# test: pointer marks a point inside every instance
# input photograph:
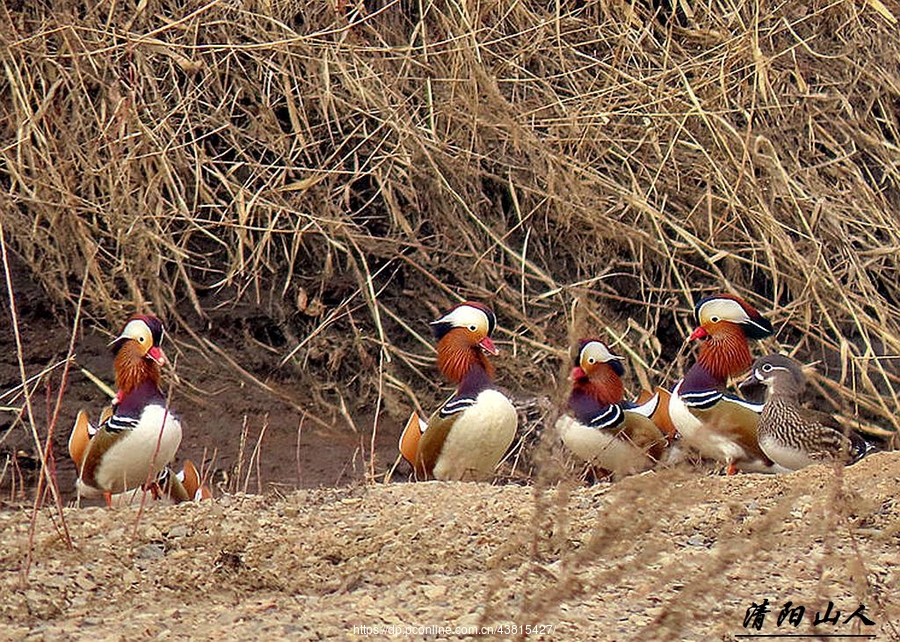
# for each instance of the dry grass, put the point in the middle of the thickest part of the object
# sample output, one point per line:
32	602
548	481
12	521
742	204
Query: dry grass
351	175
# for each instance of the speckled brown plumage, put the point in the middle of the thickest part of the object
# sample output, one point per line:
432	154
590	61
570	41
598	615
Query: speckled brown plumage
791	435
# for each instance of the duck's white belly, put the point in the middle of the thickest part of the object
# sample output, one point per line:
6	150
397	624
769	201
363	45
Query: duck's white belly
784	456
134	459
602	447
478	439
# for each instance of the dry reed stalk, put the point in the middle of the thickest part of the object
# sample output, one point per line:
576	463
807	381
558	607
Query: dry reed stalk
297	453
254	462
34	381
239	468
42	449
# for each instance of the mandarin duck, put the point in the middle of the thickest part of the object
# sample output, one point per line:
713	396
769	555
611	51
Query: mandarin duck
139	435
185	486
718	425
660	414
790	435
170	487
471	432
602	428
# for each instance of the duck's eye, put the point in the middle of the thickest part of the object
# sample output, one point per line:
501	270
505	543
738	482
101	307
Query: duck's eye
472	328
592	360
714	319
141	339
766	367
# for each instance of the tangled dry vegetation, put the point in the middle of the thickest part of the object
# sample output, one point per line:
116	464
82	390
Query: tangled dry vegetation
350	169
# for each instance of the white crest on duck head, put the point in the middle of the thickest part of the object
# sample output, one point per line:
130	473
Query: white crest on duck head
594	351
726	307
148	332
475	317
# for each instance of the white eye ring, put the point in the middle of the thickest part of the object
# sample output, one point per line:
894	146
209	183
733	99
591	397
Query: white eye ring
592	360
713	319
766	367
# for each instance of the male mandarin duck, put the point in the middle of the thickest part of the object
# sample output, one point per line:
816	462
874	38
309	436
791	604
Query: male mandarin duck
169	486
718	425
603	429
185	486
136	440
660	414
790	435
469	435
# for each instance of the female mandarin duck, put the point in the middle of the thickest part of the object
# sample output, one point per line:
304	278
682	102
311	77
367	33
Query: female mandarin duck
140	435
603	429
790	435
721	426
468	436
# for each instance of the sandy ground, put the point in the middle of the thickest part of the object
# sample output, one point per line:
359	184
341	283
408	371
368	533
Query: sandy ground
667	555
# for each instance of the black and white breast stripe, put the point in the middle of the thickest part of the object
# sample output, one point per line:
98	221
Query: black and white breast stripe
702	399
118	423
706	399
609	418
457	404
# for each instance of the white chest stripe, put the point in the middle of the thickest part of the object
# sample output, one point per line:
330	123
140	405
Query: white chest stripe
609	418
701	400
118	423
455	405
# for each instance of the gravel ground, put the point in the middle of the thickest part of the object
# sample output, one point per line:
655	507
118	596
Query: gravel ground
668	555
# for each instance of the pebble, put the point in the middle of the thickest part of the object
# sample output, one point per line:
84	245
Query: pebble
468	620
150	552
85	583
